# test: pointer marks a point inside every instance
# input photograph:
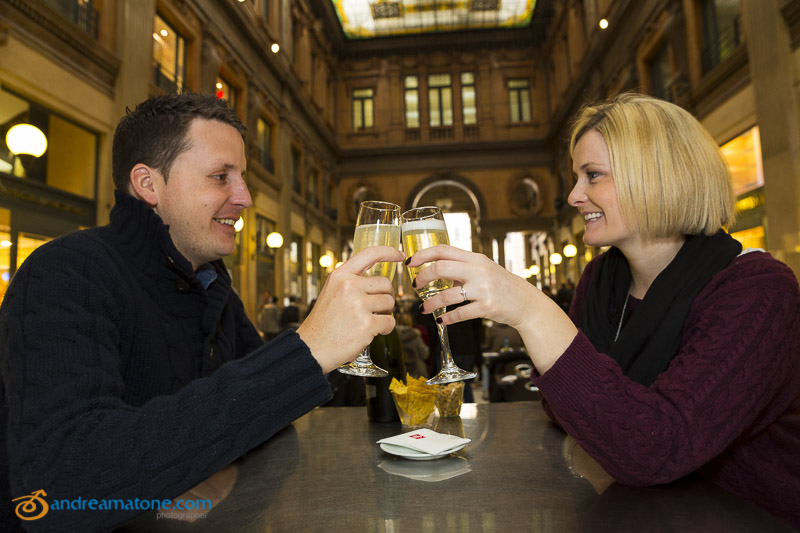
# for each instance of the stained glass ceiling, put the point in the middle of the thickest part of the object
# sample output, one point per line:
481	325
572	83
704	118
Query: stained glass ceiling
363	19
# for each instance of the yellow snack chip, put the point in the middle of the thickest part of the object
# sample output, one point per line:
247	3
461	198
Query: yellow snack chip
414	400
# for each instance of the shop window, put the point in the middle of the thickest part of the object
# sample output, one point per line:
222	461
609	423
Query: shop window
296	265
743	155
26	244
314	271
169	57
440	100
265	256
363	109
411	84
519	100
469	107
751	237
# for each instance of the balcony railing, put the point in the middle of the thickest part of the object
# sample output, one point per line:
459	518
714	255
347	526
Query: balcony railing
722	45
442	133
413	134
81	12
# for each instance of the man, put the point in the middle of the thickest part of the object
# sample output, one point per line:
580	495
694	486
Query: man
130	370
269	319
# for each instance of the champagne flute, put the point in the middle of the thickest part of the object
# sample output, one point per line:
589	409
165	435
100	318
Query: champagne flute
424	227
378	224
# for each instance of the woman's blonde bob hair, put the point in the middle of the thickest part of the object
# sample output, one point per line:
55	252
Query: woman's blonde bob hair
670	176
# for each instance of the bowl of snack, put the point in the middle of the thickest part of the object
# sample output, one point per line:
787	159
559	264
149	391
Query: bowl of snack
449	398
414	400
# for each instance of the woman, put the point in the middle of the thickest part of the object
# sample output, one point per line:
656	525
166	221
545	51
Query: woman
680	352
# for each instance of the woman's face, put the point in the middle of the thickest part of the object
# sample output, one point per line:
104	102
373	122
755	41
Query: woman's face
595	195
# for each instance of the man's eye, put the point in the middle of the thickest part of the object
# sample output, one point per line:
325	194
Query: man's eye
220	177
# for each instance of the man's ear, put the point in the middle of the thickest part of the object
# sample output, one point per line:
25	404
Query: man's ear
142	184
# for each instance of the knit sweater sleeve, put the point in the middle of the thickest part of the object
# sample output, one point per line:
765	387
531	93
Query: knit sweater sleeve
730	379
70	432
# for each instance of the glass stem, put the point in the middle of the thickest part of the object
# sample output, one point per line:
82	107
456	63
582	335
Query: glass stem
447	357
363	358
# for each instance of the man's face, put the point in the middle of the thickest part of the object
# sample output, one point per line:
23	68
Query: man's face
205	192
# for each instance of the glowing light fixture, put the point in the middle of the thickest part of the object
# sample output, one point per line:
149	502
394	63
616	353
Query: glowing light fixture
164	33
555	258
603	24
275	48
274	240
325	261
26	139
570	250
219	85
534	270
338	264
5	244
239	224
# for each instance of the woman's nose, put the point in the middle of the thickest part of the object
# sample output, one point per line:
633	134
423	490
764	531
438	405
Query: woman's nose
576	196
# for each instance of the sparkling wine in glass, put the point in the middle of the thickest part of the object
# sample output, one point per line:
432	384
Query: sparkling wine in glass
424	227
378	224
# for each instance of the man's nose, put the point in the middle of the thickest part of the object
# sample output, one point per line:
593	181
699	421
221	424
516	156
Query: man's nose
241	194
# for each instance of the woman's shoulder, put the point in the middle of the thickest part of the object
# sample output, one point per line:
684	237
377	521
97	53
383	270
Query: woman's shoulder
752	273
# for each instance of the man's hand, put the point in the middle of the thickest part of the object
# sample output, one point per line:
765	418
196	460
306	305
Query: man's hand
351	309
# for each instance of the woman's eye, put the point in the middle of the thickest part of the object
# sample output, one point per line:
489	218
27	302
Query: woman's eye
592	175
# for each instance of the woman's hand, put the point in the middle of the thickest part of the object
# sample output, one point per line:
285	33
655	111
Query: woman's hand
351	309
496	294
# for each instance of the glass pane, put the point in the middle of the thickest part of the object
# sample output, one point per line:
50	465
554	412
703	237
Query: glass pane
223	89
263	136
411	82
447	106
468	102
412	108
467	78
71	158
438	80
362	93
517	84
513	105
525	103
26	244
168	56
368	115
358	120
433	102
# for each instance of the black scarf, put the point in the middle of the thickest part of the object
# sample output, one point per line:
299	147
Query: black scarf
651	338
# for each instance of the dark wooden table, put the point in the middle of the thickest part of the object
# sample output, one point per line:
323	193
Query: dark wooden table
519	473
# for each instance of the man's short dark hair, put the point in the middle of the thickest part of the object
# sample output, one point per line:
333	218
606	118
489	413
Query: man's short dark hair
155	132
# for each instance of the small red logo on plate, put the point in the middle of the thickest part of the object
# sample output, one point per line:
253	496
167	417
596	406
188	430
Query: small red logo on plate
416	436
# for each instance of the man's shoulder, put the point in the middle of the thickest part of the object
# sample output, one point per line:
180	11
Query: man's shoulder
73	250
